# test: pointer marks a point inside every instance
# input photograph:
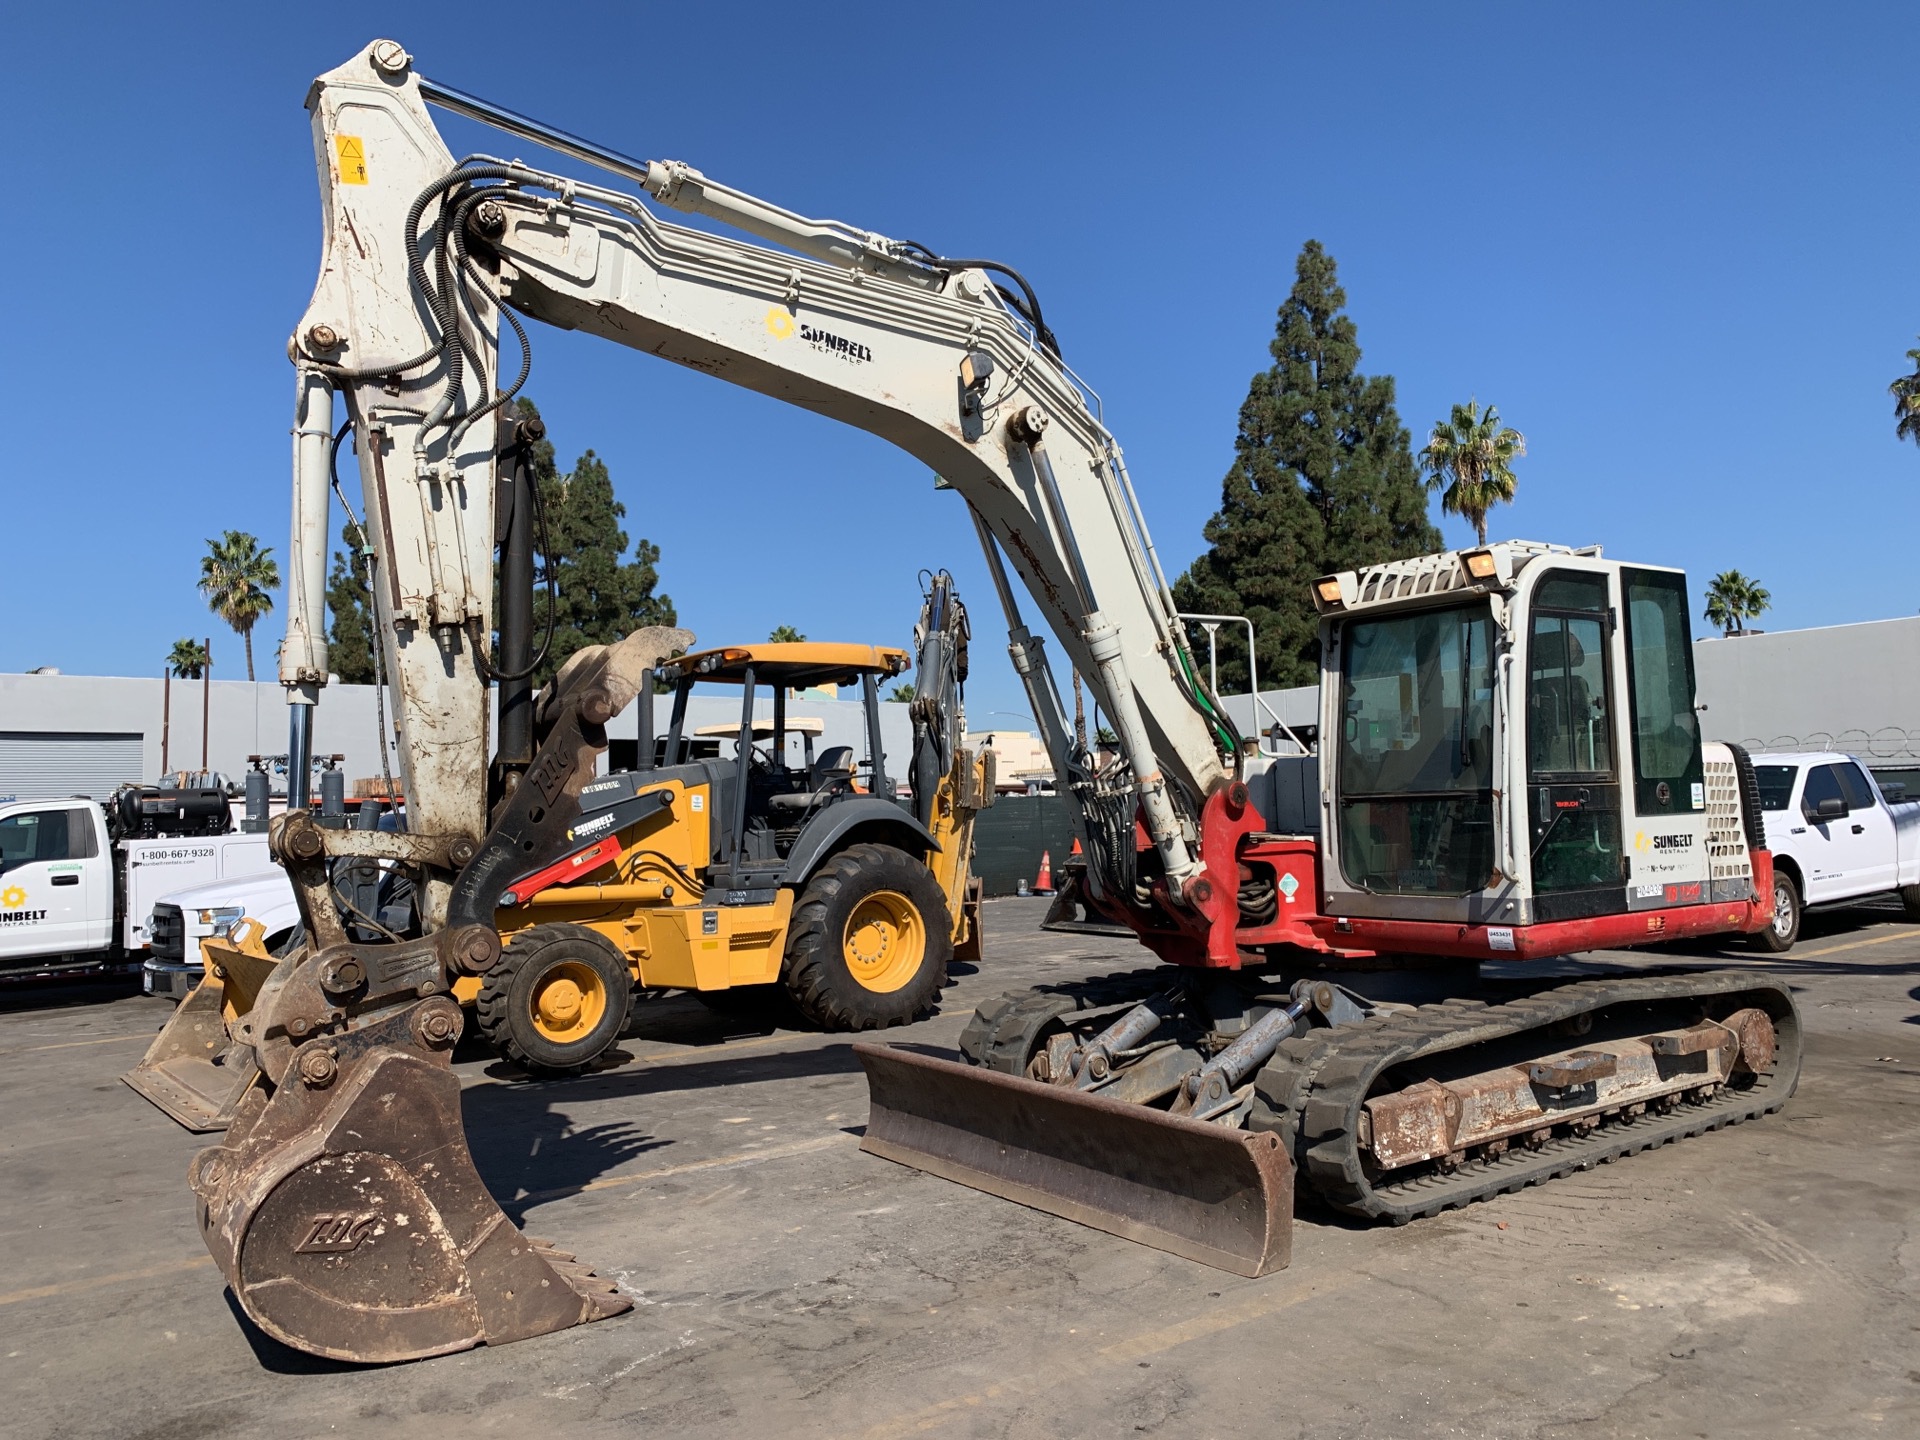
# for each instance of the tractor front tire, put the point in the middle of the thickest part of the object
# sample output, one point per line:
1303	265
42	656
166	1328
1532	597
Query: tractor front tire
869	941
555	999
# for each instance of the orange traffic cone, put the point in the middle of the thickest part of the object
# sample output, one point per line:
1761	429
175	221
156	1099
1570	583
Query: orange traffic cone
1076	849
1043	882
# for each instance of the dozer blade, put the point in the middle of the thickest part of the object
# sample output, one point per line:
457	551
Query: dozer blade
1221	1197
351	1223
189	1071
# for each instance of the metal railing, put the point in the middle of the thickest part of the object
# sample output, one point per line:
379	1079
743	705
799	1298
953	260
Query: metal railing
1211	624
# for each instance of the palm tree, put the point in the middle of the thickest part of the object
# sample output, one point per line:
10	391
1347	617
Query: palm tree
236	576
1733	599
1473	454
785	635
187	659
1906	402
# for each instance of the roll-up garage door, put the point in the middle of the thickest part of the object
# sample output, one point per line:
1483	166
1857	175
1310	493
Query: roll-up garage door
51	765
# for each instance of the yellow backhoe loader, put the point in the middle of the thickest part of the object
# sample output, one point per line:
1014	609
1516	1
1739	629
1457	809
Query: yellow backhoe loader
835	891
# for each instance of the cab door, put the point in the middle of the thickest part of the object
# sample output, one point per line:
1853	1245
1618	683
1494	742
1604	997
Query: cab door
1573	776
52	881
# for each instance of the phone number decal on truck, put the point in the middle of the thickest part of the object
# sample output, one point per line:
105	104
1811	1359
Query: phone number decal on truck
177	855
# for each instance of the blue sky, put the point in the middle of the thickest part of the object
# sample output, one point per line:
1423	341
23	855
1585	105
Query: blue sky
1674	244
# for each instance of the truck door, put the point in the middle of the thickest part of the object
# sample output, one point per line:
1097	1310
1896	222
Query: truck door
52	880
1852	852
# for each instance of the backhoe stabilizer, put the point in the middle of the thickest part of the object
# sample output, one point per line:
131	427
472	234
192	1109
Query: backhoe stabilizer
190	1072
1216	1195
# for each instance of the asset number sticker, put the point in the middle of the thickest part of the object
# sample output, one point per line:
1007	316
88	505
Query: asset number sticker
1500	937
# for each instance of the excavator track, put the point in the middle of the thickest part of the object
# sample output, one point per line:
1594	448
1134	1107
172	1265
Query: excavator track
1315	1085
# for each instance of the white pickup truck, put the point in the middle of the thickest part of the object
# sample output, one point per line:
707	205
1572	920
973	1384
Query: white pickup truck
185	918
78	893
1836	836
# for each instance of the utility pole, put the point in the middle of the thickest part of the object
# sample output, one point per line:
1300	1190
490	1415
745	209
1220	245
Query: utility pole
206	707
166	715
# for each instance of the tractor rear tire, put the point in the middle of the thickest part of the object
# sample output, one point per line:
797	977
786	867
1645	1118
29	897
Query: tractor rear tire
869	942
556	999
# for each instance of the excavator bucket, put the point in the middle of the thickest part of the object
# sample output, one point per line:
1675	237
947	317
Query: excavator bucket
192	1071
350	1222
343	1205
1221	1197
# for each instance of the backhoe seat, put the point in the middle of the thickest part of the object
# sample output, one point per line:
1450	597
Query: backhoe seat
831	774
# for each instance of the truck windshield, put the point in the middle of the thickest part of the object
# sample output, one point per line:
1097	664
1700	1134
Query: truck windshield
1415	766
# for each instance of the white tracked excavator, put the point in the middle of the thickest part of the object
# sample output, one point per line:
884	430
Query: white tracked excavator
1509	769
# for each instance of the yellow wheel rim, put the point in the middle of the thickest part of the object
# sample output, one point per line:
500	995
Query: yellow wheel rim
885	941
568	1001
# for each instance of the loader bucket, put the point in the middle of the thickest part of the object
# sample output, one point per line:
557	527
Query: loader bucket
190	1071
1221	1197
350	1222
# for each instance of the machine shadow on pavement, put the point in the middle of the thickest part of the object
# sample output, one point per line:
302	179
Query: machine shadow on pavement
21	996
529	1150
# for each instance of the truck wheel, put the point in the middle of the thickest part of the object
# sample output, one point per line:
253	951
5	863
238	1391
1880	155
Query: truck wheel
555	999
1778	937
869	942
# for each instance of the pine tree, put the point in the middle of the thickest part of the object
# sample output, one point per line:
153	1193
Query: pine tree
603	595
350	634
1323	479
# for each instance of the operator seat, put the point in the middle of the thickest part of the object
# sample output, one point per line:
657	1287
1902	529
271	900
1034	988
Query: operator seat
831	774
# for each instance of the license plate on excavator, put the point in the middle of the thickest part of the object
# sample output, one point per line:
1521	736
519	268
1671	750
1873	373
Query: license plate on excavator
1219	1196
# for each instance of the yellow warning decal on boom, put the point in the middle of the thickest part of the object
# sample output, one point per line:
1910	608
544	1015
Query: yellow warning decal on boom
353	159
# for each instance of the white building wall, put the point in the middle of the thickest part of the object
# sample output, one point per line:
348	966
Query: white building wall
1854	688
247	718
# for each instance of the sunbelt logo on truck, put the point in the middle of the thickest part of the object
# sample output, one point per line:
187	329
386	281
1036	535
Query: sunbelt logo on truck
12	912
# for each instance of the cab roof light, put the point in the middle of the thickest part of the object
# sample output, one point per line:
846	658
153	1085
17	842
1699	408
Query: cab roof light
1480	565
1335	592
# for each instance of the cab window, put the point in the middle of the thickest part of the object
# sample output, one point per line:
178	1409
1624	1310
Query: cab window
33	835
1667	771
1569	727
1823	783
1854	786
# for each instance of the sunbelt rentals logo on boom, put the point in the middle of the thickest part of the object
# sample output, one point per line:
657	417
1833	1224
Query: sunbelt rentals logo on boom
781	325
